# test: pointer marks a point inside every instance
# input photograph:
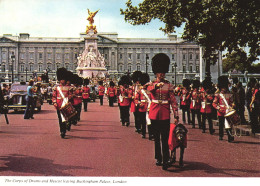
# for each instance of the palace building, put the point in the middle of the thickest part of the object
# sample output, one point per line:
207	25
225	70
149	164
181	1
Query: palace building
22	55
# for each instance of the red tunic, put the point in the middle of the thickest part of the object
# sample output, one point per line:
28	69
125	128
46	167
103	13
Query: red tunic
77	96
56	97
206	102
126	94
134	88
161	99
111	91
172	141
195	100
219	104
85	92
184	96
141	101
101	90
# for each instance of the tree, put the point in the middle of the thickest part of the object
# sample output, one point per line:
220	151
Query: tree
236	61
214	24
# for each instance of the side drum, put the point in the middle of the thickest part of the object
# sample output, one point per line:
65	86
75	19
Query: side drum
68	111
233	118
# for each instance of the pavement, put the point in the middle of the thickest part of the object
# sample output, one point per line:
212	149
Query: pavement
100	146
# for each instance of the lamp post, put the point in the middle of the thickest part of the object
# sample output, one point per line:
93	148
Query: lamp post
146	59
26	70
12	60
175	66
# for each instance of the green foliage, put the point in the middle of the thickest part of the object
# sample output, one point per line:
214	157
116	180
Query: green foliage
214	24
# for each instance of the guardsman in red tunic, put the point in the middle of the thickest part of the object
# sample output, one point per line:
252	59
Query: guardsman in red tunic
162	97
85	94
195	103
111	93
206	98
185	100
136	77
77	97
141	100
219	103
57	98
125	95
101	91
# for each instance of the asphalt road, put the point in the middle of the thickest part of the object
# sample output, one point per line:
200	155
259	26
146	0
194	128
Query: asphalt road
100	146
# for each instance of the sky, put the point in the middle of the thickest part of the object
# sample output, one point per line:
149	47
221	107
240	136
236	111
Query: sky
67	18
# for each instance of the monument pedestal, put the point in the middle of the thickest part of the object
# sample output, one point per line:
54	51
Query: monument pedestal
92	72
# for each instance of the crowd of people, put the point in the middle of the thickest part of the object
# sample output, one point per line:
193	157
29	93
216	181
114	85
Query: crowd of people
153	102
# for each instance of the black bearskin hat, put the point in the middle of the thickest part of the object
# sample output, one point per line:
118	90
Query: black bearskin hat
120	82
195	83
70	76
186	83
74	79
144	78
111	84
160	63
62	74
223	82
125	80
100	82
80	81
136	76
206	84
86	81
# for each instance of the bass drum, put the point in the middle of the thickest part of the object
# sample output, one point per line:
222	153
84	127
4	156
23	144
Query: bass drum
233	118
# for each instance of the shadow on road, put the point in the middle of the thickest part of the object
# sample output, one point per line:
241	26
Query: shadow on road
199	166
89	138
27	164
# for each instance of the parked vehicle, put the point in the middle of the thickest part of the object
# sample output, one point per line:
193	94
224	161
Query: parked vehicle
16	100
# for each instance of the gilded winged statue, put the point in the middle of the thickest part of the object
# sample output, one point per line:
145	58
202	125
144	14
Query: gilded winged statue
91	16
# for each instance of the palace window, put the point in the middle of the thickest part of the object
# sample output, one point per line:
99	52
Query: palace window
190	69
49	55
31	55
197	56
129	56
173	57
138	68
40	55
120	56
22	55
184	68
40	68
190	56
138	56
120	68
3	68
31	68
184	56
22	68
197	68
4	55
129	68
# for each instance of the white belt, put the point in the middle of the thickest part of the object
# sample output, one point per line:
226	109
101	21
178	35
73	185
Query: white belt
160	101
143	101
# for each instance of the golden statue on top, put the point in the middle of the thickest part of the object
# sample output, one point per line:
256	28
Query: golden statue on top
90	18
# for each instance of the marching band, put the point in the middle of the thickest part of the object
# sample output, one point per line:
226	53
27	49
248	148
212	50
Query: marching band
153	102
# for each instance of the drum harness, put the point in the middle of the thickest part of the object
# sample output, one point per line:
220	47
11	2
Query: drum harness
227	125
65	100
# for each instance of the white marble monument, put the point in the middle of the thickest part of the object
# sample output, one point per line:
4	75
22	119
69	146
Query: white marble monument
91	64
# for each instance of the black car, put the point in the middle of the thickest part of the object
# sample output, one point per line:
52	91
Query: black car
16	100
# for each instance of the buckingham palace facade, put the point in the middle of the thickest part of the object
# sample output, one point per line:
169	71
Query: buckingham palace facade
22	55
